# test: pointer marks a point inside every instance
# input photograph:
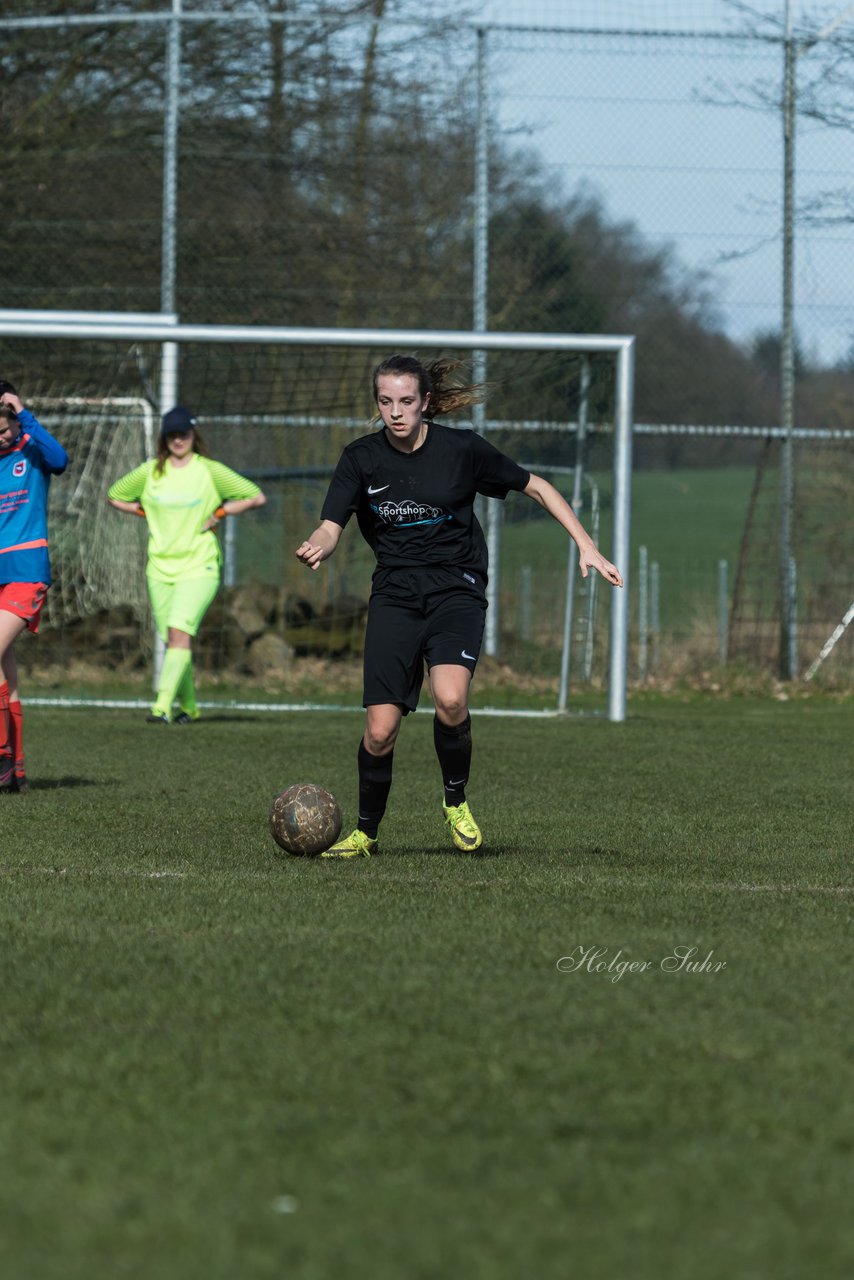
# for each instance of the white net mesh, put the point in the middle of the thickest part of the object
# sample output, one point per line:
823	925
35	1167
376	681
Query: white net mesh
281	415
94	556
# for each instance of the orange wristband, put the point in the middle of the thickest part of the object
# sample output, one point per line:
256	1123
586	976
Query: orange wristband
220	513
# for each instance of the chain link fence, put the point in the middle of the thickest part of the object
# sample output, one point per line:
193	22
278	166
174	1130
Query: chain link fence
319	168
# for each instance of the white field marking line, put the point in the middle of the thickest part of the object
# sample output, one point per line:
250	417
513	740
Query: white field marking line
622	882
711	886
783	888
139	704
93	871
639	882
397	873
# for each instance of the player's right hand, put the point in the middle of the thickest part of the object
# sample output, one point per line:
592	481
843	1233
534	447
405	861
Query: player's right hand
310	554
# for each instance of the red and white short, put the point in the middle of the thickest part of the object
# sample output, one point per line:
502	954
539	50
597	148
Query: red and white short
25	599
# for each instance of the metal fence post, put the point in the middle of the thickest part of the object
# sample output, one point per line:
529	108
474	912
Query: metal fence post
577	485
643	611
723	609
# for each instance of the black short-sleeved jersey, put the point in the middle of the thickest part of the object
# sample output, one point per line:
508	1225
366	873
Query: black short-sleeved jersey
418	508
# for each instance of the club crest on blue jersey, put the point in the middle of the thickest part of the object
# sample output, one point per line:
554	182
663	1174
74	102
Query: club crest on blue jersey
20	468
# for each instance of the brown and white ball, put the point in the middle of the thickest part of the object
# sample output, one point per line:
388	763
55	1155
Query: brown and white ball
305	820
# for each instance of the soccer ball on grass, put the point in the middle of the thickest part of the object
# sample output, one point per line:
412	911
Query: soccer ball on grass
305	820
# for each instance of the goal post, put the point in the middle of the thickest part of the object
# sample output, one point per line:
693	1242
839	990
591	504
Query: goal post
174	342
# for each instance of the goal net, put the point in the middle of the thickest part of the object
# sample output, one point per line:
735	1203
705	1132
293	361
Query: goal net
279	406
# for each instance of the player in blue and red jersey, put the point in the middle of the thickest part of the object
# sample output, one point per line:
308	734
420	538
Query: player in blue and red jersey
29	456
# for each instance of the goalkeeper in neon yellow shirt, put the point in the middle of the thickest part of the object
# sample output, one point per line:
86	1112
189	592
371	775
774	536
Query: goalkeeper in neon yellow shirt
183	494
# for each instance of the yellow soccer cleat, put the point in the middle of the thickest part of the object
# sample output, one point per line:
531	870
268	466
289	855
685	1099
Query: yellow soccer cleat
464	830
357	845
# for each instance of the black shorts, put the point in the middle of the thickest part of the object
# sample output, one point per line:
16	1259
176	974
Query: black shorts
415	616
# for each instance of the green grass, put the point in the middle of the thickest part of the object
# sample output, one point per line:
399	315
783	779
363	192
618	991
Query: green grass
221	1063
693	515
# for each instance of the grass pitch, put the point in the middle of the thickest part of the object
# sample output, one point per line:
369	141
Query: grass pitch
221	1063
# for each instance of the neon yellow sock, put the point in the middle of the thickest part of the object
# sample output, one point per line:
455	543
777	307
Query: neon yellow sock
186	691
175	663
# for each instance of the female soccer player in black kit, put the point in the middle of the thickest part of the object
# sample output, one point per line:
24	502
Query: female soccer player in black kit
412	488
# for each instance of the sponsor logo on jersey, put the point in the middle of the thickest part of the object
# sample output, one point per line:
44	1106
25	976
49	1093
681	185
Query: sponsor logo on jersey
405	513
20	468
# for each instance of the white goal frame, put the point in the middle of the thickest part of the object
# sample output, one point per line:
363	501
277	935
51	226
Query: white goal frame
82	326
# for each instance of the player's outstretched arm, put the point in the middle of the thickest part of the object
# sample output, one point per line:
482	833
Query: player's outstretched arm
320	545
589	555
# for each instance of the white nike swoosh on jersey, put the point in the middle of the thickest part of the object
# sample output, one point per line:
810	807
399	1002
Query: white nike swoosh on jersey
470	656
378	489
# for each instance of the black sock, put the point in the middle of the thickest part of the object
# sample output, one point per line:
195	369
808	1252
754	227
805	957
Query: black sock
453	747
374	786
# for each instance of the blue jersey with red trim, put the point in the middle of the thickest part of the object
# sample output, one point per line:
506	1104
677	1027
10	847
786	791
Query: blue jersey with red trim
25	471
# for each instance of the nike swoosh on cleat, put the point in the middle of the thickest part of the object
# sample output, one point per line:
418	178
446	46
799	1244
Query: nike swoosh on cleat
378	489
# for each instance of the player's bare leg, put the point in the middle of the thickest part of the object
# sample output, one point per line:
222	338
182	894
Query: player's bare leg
382	725
12	776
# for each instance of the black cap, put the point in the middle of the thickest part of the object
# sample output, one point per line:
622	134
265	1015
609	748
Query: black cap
177	419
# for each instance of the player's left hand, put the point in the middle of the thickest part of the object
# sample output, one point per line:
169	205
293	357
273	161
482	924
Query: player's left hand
594	559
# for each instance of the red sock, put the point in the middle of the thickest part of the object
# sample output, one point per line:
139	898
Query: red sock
16	735
5	726
5	736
